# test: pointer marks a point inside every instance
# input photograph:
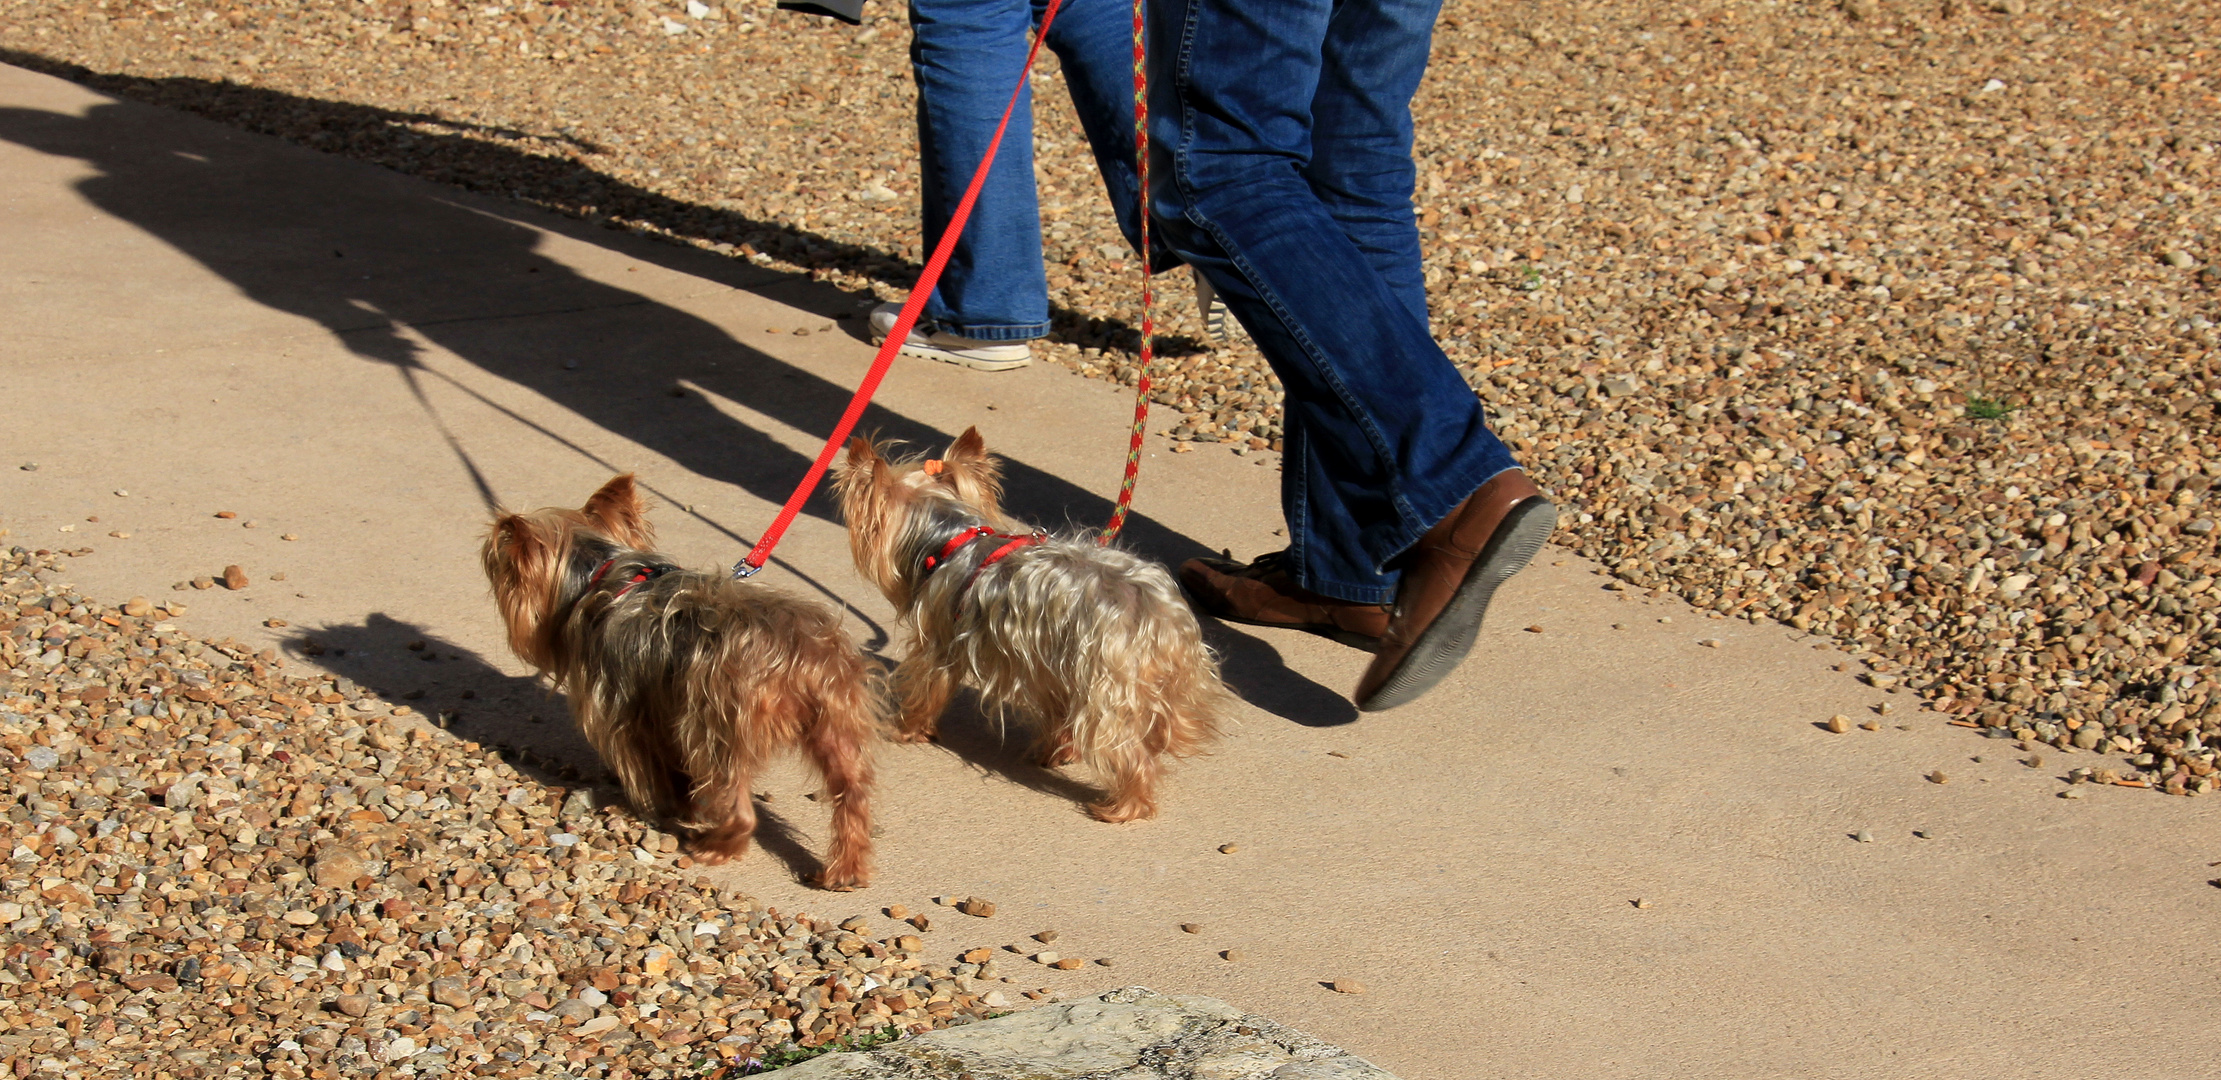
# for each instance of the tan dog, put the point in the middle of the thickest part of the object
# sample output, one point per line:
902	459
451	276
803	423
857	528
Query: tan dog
1093	643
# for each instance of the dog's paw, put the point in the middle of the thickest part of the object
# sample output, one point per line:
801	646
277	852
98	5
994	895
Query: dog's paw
842	881
718	848
1118	813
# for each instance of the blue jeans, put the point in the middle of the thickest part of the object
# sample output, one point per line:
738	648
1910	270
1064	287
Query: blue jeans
1280	167
967	55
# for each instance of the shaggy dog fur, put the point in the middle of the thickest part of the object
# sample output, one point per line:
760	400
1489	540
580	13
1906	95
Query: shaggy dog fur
1093	643
685	681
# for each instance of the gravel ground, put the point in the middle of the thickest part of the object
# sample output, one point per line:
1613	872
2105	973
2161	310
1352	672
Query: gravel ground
221	869
1890	319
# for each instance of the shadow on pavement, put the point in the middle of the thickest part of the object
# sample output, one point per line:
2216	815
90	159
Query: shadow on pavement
390	272
995	748
513	715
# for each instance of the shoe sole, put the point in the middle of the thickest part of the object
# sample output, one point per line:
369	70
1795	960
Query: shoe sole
926	352
1215	316
1445	643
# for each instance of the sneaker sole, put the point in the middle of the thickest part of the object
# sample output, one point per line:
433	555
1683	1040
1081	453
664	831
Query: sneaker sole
1214	320
927	352
1446	642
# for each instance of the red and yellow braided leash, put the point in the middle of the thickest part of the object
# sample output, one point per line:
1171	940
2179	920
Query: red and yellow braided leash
1148	299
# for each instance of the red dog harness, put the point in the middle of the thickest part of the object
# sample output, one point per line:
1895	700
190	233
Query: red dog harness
957	543
644	574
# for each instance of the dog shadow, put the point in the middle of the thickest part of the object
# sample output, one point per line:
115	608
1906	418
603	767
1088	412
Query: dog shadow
516	716
1004	750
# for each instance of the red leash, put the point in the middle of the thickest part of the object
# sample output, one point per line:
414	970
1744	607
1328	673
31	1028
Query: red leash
892	347
911	308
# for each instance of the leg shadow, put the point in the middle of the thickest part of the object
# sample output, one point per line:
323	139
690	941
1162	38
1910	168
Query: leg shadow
394	272
1254	669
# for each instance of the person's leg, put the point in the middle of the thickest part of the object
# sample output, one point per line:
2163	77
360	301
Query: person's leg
1389	438
1094	43
1361	165
1394	486
966	55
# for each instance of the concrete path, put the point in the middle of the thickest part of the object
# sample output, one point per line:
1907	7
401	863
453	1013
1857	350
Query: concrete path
195	320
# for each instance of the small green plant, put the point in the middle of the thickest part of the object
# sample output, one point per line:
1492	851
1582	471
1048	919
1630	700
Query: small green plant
792	1054
1981	408
1530	277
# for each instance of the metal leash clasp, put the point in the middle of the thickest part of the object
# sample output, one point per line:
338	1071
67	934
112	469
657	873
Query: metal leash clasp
743	570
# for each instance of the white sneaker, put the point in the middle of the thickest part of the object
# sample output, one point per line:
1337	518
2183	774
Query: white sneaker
928	343
1218	323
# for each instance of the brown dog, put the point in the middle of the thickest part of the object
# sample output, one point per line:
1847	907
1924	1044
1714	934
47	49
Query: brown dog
686	682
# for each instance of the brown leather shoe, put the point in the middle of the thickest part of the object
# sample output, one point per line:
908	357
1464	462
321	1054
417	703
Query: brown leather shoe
1264	593
1448	579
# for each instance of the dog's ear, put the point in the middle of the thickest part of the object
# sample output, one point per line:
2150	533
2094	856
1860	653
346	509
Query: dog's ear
862	469
860	453
621	513
519	563
975	475
504	541
968	447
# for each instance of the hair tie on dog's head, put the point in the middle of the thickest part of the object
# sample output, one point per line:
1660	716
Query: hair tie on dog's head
933	466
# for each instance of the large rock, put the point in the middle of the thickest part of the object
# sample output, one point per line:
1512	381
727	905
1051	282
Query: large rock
1133	1034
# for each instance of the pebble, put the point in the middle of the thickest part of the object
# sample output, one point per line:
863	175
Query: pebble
1046	936
1939	777
1642	904
1346	986
897	911
1710	643
1228	849
234	577
1231	954
976	907
224	888
1870	725
1191	928
1839	723
1865	836
2070	793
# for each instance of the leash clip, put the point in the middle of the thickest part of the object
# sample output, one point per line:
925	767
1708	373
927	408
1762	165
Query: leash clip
743	570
